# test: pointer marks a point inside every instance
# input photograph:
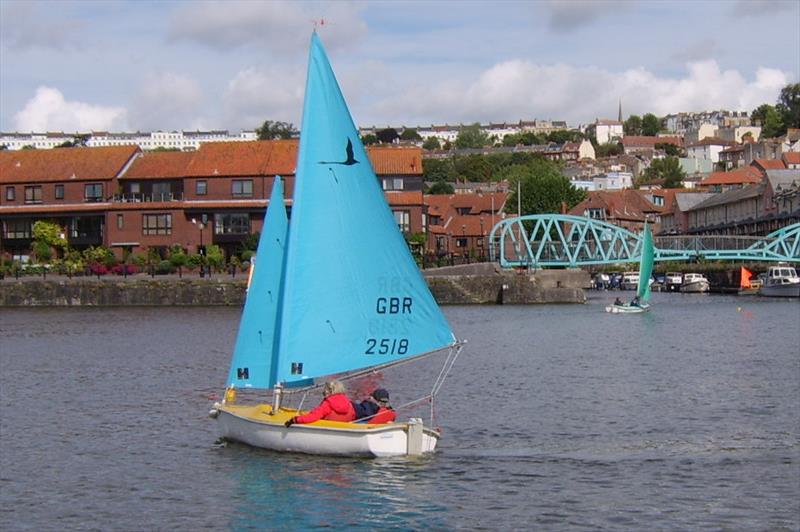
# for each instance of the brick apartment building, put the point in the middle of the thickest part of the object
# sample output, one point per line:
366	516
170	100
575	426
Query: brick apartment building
132	201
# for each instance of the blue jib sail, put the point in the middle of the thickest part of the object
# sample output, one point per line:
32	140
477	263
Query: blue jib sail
353	295
255	343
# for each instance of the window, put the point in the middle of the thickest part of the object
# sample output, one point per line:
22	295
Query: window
242	188
17	229
162	192
231	224
461	242
658	200
59	191
393	183
156	224
597	214
93	192
120	221
201	187
403	220
33	194
11	194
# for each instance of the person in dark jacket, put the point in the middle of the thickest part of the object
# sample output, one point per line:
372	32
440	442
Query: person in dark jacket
375	408
335	406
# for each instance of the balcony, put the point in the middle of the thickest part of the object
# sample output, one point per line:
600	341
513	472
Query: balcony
148	198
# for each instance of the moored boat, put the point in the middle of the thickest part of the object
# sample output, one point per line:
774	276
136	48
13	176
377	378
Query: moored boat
694	283
630	280
781	281
673	281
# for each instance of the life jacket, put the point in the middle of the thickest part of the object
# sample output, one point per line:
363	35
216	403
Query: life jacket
336	407
384	415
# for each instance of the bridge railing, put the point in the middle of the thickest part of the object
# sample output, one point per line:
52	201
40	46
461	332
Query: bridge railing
563	240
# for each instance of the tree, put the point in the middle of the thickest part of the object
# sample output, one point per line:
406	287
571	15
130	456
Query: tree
473	168
432	143
438	170
789	106
609	149
542	186
651	125
670	149
441	187
368	140
178	258
411	135
563	135
46	236
770	120
633	125
387	136
270	130
471	137
668	169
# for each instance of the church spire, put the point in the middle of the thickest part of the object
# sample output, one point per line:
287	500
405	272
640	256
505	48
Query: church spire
620	110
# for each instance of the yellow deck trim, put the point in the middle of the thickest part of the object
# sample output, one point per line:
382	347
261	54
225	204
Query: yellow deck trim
262	413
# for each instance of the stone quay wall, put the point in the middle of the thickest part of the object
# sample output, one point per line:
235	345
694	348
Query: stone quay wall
472	284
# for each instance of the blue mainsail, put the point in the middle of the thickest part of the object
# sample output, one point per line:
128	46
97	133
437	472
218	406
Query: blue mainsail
256	340
353	297
645	265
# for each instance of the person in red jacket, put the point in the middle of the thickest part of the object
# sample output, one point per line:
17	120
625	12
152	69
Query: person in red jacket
335	406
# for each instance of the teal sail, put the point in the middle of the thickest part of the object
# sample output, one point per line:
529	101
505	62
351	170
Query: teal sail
353	295
645	266
256	340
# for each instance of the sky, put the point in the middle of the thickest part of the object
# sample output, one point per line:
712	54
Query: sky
118	65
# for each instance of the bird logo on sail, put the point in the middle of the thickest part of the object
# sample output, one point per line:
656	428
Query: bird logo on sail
349	161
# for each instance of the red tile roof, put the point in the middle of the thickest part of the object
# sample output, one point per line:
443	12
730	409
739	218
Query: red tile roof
395	160
769	164
625	204
158	165
62	164
404	198
258	158
639	141
791	157
740	176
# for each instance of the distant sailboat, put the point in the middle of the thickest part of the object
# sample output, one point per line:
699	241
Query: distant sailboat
323	303
639	304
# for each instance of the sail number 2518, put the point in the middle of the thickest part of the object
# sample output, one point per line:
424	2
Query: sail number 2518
387	346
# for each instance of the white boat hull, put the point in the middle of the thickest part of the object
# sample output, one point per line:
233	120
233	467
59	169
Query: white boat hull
695	288
254	426
780	290
627	309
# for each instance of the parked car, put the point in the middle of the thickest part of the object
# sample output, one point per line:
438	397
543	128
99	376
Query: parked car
602	281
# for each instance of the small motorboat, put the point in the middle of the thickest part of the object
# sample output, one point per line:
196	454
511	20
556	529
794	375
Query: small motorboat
781	281
694	283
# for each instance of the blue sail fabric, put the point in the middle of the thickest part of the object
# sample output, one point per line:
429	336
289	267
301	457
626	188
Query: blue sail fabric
255	343
354	297
645	265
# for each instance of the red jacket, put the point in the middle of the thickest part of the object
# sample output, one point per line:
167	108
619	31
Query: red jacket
335	407
384	415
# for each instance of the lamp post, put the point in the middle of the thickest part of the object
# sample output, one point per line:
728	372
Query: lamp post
201	249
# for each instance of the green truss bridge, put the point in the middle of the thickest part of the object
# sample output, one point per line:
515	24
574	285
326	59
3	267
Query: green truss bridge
555	240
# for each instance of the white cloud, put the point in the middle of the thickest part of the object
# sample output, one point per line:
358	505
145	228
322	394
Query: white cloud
253	96
167	101
48	110
36	25
515	90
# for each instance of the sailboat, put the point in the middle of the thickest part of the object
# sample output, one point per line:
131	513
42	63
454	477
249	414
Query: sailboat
639	304
335	293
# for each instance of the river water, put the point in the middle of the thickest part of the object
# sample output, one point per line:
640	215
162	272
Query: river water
555	418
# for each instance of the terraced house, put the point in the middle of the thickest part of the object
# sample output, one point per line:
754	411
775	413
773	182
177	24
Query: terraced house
132	200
